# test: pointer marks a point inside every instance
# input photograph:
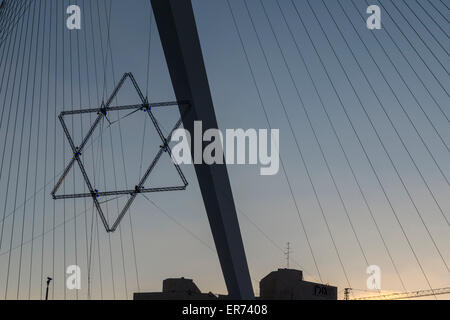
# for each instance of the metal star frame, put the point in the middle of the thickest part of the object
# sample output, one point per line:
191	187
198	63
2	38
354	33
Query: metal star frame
78	150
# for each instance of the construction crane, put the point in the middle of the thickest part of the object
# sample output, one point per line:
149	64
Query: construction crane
400	295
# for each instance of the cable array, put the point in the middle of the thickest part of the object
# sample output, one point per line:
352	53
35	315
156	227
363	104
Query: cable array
380	99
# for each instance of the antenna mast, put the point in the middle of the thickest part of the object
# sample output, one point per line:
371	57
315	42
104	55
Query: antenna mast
287	254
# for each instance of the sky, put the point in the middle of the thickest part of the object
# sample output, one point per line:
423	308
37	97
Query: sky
365	158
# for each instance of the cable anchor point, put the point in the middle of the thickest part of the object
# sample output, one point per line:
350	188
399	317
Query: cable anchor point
138	189
77	152
146	105
165	146
95	194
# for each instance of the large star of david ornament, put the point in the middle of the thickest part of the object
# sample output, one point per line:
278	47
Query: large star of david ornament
78	150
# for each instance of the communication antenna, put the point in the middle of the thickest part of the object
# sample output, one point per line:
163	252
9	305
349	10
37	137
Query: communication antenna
347	293
287	253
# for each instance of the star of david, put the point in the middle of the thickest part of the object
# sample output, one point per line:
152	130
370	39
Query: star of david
78	150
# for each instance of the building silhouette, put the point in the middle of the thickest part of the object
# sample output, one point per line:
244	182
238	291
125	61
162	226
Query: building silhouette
283	284
176	289
288	284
